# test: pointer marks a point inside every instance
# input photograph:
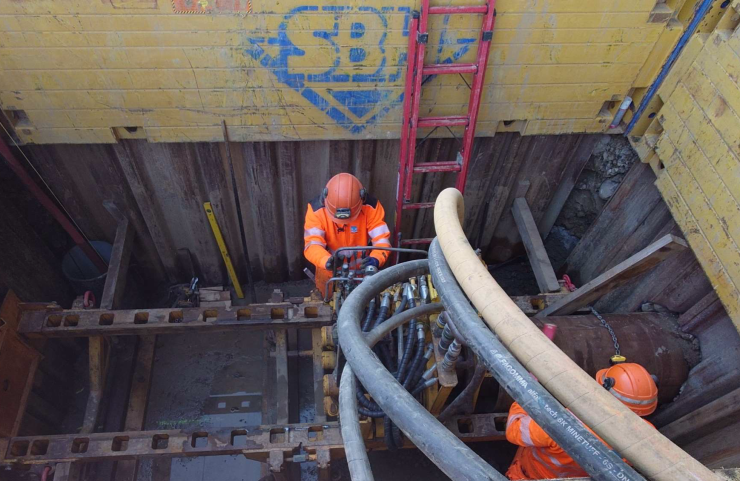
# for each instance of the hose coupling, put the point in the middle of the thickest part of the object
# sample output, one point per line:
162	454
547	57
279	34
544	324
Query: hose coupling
386	301
439	324
429	372
447	337
428	353
408	291
420	332
453	353
423	290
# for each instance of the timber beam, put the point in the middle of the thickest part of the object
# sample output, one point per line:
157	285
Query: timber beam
96	322
256	442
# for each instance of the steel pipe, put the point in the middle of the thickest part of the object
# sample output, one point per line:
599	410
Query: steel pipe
648	450
599	461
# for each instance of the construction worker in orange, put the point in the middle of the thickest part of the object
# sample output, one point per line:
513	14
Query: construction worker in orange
344	215
540	458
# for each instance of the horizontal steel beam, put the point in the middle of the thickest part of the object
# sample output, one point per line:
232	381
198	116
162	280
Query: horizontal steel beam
81	323
255	442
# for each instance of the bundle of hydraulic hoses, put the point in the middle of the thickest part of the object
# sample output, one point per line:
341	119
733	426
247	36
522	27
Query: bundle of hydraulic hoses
408	367
428	434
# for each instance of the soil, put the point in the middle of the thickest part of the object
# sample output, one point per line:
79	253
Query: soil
611	159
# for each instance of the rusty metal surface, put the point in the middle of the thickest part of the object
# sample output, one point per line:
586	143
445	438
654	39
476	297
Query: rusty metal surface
161	187
81	323
644	338
256	442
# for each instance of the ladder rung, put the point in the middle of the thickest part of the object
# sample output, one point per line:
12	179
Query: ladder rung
418	205
427	167
408	242
449	68
458	10
449	121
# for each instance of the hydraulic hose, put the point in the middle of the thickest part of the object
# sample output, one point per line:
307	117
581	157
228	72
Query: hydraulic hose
442	447
600	462
409	346
354	443
366	325
645	447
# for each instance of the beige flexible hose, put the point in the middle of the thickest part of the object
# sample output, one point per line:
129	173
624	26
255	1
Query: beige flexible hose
641	444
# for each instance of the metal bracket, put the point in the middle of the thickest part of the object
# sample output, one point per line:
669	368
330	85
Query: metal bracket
487	35
422	37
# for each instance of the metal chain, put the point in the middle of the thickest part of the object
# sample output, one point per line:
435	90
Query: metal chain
608	328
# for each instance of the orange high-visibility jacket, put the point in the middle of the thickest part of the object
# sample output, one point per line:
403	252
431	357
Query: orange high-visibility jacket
538	457
322	236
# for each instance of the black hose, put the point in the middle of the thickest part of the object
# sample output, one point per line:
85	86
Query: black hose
407	382
365	402
442	447
382	316
409	343
600	462
388	434
366	326
354	443
397	438
370	413
413	378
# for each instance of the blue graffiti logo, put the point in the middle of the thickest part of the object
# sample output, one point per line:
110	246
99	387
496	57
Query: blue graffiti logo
349	44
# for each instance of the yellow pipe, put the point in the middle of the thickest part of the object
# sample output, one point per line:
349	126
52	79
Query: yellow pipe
642	445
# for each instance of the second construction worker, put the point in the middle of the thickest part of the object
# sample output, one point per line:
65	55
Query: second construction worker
539	457
344	215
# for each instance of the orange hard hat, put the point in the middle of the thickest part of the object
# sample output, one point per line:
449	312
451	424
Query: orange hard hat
343	198
631	384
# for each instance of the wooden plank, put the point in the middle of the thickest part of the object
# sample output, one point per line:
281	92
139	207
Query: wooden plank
705	420
134	177
626	224
617	276
137	403
572	172
538	258
281	375
98	363
707	308
318	375
28	266
71	323
115	280
18	364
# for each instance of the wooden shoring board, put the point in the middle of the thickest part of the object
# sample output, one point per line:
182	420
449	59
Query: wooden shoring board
136	412
547	281
617	276
255	442
83	323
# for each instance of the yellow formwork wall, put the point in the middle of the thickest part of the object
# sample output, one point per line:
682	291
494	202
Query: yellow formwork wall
95	71
693	144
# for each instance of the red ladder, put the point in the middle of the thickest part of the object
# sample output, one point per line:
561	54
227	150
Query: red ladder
417	71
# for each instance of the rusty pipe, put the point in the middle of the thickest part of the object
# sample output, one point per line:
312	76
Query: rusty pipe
648	450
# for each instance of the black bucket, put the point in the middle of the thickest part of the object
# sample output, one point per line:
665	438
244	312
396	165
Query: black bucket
82	273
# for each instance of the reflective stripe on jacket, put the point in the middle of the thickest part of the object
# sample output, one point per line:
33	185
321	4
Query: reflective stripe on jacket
322	236
538	457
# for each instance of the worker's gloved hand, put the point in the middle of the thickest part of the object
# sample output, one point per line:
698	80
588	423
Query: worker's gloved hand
330	263
370	261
